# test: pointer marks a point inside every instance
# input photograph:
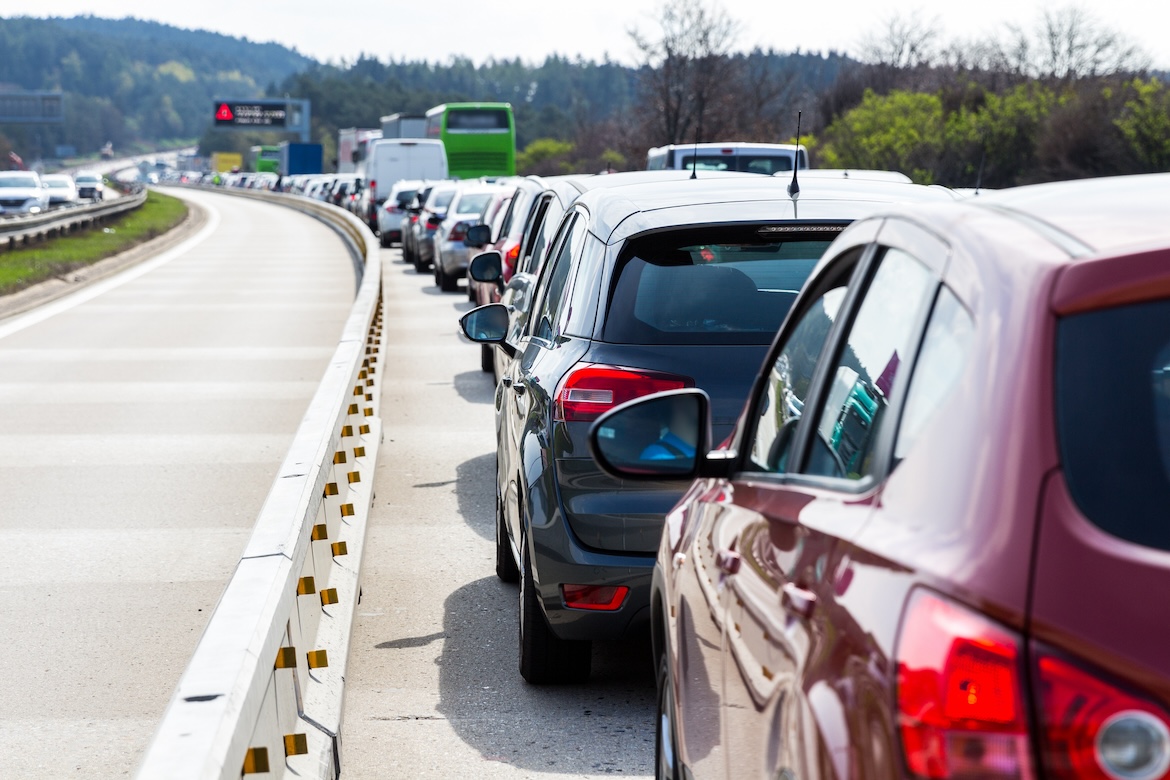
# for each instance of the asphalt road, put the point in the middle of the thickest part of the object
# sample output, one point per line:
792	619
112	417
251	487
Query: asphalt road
141	425
433	689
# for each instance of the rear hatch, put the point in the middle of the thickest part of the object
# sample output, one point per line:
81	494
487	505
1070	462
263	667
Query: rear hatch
1101	589
694	308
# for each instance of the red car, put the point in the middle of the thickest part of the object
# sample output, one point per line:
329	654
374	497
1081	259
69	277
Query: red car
937	544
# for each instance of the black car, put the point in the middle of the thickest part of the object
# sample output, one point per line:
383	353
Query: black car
646	287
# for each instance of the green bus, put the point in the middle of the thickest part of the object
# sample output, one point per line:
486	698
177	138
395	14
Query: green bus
265	159
480	138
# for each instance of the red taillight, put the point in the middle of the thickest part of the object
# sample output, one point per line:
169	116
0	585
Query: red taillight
413	219
961	710
510	258
1091	729
590	390
606	598
373	185
459	232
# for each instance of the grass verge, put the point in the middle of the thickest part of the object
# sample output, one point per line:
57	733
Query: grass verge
57	257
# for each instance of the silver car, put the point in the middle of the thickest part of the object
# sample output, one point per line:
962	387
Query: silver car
467	208
22	192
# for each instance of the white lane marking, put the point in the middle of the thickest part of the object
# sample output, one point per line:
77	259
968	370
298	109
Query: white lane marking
42	313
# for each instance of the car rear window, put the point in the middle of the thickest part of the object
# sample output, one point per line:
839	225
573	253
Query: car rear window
1113	418
725	285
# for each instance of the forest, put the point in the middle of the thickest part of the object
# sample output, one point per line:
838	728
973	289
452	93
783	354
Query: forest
1066	99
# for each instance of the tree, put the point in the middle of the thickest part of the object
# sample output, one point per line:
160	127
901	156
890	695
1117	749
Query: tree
1068	44
686	68
1145	124
902	42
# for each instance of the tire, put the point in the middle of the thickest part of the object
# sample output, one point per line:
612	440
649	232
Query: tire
666	732
419	265
443	281
384	240
487	359
506	568
471	291
544	657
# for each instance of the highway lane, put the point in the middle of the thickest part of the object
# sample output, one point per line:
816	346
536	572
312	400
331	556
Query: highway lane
433	689
140	428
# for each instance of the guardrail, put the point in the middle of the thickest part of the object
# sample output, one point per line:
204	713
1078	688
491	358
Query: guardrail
23	230
262	695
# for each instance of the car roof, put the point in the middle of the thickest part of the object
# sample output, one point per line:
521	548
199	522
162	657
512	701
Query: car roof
1103	215
741	197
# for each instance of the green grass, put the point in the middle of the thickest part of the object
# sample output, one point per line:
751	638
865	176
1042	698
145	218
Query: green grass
57	257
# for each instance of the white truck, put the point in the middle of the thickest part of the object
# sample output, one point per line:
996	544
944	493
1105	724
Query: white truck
404	126
351	143
390	160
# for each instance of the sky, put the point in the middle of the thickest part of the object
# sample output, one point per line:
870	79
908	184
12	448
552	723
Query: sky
594	30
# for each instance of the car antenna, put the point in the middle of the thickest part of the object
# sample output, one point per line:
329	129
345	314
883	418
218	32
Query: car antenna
695	155
979	176
794	185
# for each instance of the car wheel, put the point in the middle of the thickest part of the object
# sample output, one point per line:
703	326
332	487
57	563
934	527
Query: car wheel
471	291
487	359
443	280
666	740
506	568
419	264
384	240
545	657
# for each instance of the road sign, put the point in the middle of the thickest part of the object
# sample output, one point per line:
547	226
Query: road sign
257	113
20	107
288	115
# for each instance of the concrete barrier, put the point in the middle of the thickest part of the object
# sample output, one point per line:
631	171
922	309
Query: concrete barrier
263	693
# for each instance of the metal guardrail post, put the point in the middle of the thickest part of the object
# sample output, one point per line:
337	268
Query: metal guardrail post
19	231
264	691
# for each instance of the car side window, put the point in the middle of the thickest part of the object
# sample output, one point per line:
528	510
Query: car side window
790	376
554	281
869	368
544	235
941	360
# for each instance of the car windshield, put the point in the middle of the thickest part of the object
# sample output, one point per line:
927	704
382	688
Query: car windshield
730	285
473	203
18	181
441	199
57	183
1113	418
86	179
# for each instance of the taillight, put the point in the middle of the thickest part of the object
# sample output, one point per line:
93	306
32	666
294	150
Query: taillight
459	232
961	709
373	185
510	258
602	598
1092	729
590	390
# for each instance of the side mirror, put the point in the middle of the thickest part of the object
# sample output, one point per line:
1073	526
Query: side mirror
486	324
478	235
486	267
434	221
661	436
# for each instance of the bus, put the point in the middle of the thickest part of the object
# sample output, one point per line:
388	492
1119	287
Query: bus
480	138
265	159
735	156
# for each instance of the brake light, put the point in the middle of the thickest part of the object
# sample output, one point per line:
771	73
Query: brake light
602	598
1092	729
459	232
373	185
961	711
510	258
589	390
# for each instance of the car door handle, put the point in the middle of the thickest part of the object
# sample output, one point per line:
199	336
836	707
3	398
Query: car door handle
728	561
798	599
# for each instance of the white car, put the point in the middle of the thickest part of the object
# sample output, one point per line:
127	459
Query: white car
62	189
392	210
90	185
21	192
